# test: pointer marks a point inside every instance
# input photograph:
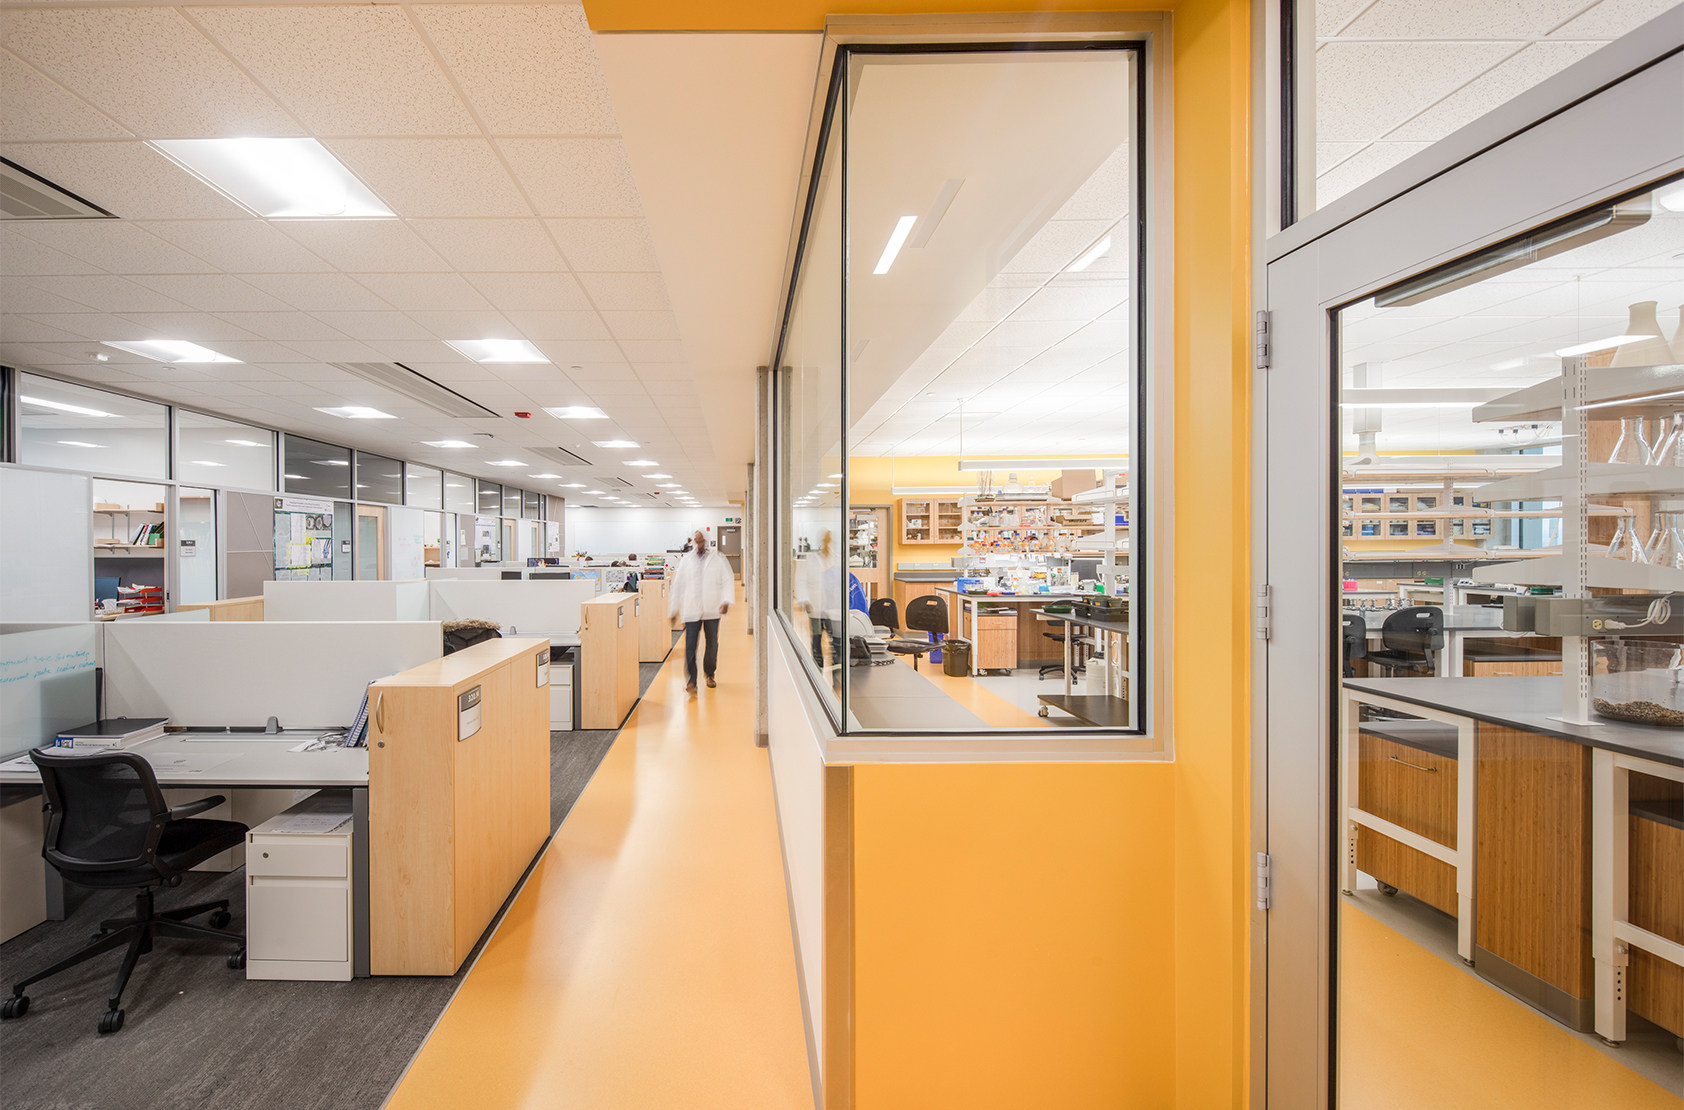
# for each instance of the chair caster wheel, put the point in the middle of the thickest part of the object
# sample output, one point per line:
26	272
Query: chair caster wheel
14	1007
1041	712
237	960
220	918
110	1021
1388	890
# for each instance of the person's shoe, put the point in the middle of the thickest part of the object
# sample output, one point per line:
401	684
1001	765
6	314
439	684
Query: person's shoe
689	687
711	682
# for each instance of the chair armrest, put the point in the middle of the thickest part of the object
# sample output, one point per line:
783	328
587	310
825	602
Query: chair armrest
188	809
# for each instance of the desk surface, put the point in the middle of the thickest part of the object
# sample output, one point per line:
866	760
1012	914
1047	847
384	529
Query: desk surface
1088	622
898	697
180	760
1526	703
1475	619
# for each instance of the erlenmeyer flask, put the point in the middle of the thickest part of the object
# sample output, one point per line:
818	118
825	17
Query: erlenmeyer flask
1669	451
1625	544
1629	448
1666	549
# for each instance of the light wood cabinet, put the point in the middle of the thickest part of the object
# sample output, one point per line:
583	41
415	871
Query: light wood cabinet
1417	790
996	641
931	520
654	627
608	650
454	819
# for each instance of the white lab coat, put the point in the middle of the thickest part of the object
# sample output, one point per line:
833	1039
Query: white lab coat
700	585
818	585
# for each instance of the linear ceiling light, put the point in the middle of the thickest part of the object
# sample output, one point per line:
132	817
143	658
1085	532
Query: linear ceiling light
1090	256
903	228
1598	345
573	485
170	350
577	412
452	444
63	407
497	350
278	179
642	462
615	443
505	462
1044	464
356	412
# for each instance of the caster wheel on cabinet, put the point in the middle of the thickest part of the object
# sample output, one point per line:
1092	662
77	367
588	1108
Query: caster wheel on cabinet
110	1021
1388	890
1042	712
14	1007
220	918
237	960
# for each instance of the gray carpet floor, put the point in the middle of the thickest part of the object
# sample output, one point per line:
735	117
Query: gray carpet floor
199	1035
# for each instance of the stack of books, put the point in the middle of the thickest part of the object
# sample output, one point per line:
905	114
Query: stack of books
140	599
115	733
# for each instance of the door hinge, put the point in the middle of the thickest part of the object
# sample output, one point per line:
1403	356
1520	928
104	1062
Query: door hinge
1260	341
1265	613
1265	892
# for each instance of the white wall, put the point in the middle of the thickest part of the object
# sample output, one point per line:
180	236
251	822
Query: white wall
643	531
407	531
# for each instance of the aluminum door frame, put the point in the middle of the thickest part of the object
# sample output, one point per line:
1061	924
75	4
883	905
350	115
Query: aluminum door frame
1613	141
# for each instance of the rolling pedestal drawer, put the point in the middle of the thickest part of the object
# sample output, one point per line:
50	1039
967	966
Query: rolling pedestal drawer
298	892
1415	787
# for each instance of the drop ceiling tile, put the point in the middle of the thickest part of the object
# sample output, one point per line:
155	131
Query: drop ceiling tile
147	68
96	326
652	350
245	246
283	327
606	245
22	329
663	372
493	51
371	326
260	352
319	292
1106	194
661	387
574	177
209	293
114	245
317	59
536	291
1057	244
641	326
524	373
424	292
586	353
434	177
492	245
466	324
627	292
195	327
1498	85
27	258
343	351
1365	89
127	179
1375	159
1455	19
1329	155
34	106
545	327
418	352
366	246
18	296
1612	18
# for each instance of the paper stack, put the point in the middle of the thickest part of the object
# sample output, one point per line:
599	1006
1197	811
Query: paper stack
114	733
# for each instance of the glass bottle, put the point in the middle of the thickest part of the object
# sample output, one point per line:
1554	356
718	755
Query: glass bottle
1625	544
1666	547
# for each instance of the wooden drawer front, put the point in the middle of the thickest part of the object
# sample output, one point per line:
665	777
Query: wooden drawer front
1415	873
298	857
1408	787
1472	668
1654	987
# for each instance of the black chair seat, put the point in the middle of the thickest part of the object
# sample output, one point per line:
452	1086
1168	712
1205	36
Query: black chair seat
911	647
183	845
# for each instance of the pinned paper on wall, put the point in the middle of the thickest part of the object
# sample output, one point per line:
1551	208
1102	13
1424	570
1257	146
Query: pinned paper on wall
303	538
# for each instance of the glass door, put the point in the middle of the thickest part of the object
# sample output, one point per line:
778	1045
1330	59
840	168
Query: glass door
196	546
1473	669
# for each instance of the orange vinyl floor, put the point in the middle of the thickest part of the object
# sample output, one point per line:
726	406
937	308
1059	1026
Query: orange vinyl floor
648	960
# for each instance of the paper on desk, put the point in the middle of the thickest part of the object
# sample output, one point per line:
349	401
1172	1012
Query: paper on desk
309	823
21	763
172	763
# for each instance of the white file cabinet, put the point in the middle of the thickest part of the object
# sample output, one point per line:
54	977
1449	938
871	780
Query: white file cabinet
561	688
298	892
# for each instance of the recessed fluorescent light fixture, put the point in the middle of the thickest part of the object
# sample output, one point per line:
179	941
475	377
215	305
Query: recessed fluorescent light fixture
278	179
505	462
356	412
245	443
897	238
1597	345
1090	256
543	475
652	477
452	444
1044	464
497	350
63	407
573	485
79	443
1672	199
667	485
642	462
171	350
617	444
593	493
577	412
1509	364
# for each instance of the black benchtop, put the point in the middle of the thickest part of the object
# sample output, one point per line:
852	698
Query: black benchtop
1424	736
1526	703
1665	811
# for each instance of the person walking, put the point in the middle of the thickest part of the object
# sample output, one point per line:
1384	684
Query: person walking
700	595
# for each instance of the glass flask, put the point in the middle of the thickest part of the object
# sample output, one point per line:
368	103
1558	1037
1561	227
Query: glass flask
1666	546
1625	544
1630	448
1669	447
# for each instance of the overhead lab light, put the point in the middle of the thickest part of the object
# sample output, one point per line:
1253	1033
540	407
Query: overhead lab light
1598	345
652	477
543	475
593	493
356	412
642	462
1090	256
170	350
505	462
452	444
497	350
573	485
1044	464
667	485
617	444
62	406
897	238
278	179
577	412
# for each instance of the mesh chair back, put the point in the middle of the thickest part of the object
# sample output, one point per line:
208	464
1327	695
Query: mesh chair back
927	614
107	811
1355	636
1417	628
885	613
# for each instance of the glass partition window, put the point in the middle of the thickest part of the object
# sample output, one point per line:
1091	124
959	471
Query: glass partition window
531	505
511	502
73	427
1511	582
458	493
422	487
490	498
379	479
223	453
1383	80
960	376
314	469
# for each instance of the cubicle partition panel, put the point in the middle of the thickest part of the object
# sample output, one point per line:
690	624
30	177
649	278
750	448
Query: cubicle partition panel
306	674
534	608
403	600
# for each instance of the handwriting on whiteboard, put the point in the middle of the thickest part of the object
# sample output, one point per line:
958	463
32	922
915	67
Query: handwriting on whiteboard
44	664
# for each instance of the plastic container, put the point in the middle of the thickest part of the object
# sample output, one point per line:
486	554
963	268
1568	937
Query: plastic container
956	658
1639	681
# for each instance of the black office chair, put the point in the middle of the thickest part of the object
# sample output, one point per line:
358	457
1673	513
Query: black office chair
111	827
1407	638
884	612
1354	636
926	613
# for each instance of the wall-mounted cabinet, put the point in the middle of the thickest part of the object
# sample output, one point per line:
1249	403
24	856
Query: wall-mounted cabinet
931	520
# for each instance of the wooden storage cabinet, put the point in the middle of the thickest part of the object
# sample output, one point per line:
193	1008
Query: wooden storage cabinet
608	646
1654	987
996	636
931	520
1417	790
454	820
654	627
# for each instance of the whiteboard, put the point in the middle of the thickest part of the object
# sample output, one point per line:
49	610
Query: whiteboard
46	547
408	550
46	683
309	674
543	608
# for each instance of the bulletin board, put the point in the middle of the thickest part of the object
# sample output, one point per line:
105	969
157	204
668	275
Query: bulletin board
303	539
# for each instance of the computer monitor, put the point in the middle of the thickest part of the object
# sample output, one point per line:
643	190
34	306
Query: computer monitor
550	575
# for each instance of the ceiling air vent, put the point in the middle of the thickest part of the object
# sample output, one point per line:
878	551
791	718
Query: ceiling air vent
28	196
559	456
399	378
621	482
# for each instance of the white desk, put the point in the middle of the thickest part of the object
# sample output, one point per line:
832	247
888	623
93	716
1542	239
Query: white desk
241	760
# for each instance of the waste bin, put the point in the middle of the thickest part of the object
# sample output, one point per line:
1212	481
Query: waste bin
956	657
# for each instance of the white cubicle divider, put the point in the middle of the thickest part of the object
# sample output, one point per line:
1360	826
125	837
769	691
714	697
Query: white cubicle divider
306	674
469	574
404	600
531	608
46	682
